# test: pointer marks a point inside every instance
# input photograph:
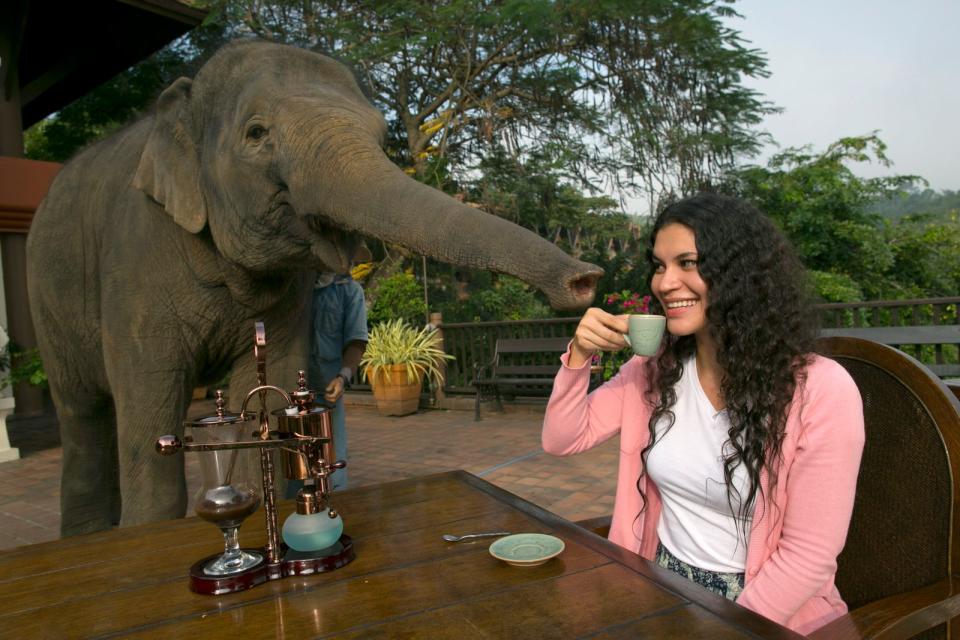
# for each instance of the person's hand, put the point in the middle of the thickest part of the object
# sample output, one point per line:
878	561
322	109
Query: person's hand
597	331
334	390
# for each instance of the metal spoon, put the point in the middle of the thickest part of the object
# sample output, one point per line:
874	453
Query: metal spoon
452	538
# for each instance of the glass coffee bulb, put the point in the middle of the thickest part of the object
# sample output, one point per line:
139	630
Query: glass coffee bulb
313	531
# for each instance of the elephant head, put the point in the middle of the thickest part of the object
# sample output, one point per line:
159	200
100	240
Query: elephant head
277	152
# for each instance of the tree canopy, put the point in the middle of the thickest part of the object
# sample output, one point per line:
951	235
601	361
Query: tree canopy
636	94
829	213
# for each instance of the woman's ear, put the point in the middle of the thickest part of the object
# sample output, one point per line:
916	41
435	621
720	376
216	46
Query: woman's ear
169	169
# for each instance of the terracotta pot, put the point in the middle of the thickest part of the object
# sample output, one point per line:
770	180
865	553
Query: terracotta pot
396	394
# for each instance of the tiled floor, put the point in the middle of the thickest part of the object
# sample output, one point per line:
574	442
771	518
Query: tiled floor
503	448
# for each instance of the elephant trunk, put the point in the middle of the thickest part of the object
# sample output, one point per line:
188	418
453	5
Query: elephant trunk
372	197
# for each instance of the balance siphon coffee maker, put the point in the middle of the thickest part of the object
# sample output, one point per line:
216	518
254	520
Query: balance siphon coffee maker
312	538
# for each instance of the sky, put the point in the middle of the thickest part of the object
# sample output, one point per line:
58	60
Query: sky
848	67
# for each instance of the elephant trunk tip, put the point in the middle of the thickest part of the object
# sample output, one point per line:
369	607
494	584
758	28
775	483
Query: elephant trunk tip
579	290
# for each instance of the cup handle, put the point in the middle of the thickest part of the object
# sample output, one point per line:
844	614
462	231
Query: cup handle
627	338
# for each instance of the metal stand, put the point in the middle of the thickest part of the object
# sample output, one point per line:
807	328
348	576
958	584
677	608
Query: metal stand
306	438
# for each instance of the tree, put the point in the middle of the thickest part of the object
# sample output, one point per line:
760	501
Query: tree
637	94
398	297
926	255
829	213
916	201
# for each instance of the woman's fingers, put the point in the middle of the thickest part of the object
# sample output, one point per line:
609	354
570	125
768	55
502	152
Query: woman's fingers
600	331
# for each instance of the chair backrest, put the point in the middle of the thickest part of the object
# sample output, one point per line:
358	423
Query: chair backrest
902	532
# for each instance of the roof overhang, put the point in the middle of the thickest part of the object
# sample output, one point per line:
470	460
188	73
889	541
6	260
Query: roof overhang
69	48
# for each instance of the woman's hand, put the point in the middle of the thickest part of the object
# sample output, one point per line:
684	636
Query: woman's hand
597	331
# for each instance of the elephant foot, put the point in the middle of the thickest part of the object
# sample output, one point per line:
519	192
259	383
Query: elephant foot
78	528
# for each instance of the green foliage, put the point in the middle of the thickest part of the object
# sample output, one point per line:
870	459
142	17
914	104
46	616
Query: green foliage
537	193
835	287
507	299
395	342
22	365
399	297
490	297
916	201
829	213
926	256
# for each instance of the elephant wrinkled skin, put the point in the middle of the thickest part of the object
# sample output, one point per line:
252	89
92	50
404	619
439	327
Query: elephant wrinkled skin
157	249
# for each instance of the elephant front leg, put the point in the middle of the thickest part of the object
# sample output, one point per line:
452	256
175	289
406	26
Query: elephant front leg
152	487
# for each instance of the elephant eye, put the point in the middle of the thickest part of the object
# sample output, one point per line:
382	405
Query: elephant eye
256	132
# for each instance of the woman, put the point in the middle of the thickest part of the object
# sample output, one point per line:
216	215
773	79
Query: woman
739	447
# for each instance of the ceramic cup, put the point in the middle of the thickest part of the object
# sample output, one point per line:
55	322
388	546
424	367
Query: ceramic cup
645	333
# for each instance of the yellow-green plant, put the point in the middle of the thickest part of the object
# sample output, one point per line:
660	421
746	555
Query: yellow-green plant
396	342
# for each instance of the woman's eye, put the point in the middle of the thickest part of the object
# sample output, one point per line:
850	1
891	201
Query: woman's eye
688	264
658	268
256	132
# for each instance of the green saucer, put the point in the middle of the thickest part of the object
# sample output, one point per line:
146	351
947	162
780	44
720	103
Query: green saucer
526	549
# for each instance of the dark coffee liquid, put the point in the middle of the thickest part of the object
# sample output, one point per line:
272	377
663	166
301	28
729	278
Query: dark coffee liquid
226	506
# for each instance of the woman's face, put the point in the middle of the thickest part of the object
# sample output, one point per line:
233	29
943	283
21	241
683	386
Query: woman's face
677	283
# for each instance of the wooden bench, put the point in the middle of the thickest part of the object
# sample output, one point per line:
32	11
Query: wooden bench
522	367
909	335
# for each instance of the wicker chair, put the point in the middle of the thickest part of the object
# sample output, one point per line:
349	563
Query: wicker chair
900	569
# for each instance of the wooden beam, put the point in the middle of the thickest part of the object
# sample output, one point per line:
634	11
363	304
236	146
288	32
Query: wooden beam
170	9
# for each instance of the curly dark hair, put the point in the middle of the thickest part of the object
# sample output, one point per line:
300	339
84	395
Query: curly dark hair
761	322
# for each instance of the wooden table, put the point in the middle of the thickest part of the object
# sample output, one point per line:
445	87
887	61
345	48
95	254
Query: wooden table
405	581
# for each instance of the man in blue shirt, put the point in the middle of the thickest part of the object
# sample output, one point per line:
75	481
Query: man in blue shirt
339	324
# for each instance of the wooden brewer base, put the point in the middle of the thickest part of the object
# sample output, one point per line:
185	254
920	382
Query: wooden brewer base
294	563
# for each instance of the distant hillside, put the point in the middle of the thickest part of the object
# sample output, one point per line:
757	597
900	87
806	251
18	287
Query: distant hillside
926	201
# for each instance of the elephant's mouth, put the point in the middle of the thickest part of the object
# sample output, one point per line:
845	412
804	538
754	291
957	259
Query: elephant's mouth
331	244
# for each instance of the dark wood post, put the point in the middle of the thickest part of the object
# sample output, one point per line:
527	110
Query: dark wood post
13	246
436	321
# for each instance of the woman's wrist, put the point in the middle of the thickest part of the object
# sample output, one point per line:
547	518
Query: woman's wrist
577	357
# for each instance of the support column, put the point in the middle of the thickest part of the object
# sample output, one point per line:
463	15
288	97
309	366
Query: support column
13	245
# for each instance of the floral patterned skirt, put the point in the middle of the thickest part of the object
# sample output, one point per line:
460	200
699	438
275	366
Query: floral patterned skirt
728	585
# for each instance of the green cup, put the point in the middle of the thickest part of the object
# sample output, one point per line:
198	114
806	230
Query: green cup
644	333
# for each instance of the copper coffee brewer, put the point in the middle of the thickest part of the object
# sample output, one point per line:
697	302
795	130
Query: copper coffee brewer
313	539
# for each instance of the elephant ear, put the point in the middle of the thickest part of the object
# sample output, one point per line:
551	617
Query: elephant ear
169	170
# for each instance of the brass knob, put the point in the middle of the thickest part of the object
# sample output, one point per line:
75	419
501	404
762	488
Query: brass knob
168	445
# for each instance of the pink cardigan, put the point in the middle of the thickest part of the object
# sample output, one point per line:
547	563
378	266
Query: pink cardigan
793	546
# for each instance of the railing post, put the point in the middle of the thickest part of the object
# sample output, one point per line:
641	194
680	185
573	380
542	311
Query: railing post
436	321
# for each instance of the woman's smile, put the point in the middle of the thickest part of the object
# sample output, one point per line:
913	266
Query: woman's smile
678	308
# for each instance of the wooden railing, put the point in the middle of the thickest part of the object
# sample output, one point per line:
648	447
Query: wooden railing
472	342
891	313
928	329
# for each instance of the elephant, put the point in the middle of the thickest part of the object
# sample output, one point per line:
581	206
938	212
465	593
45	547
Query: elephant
157	249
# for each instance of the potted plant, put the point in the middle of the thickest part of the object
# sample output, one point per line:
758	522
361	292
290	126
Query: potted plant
395	362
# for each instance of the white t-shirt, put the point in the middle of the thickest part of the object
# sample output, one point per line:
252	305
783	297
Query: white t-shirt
696	523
